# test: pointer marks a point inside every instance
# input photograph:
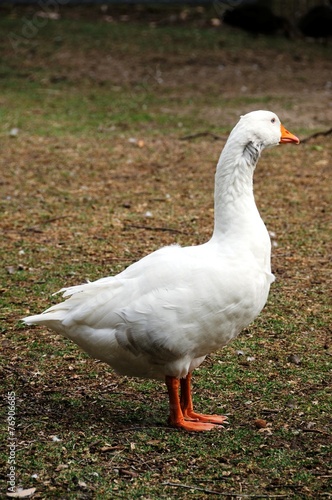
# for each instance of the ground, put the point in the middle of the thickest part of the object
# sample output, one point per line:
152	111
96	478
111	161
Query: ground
111	127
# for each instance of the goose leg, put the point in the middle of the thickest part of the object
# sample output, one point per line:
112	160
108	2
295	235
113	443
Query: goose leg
176	418
187	405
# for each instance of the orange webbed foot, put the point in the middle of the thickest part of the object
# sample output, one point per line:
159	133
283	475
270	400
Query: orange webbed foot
191	426
214	419
182	414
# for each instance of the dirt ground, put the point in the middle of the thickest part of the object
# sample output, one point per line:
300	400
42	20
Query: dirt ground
77	207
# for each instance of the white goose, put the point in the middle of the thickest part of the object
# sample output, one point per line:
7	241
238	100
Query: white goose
161	316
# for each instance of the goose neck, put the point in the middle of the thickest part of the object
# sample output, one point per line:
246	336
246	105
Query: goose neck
234	197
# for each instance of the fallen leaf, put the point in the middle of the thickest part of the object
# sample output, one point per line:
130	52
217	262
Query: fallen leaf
153	442
310	425
126	472
20	493
266	430
110	448
260	423
61	467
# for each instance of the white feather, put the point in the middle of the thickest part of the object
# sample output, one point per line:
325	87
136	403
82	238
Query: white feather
165	313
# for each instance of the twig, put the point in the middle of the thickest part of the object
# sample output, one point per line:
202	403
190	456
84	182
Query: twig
317	134
35	229
270	410
196	488
139	428
219	137
54	219
151	228
202	134
220	493
317	431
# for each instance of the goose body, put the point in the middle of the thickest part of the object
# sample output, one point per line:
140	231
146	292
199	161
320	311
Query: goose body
161	316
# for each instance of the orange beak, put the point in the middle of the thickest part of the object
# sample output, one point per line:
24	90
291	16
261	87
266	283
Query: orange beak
288	136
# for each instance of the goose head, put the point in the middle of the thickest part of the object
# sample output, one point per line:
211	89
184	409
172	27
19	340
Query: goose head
263	129
254	132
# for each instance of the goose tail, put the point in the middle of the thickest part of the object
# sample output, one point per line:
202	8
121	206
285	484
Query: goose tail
53	318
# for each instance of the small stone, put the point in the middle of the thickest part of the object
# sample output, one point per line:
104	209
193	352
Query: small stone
294	358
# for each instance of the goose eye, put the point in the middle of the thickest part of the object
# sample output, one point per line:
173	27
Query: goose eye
273	120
